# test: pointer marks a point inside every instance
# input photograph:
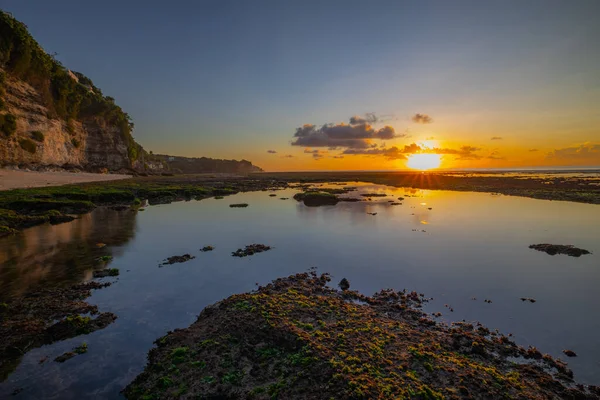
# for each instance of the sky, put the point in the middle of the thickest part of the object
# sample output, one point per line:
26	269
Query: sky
344	85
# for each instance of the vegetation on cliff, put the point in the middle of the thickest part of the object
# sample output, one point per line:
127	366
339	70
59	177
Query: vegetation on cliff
297	338
67	95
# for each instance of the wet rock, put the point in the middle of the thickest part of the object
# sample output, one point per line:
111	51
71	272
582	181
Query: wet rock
316	199
373	194
56	219
207	248
570	353
487	301
372	213
250	250
106	272
283	198
554	249
349	199
104	259
529	299
344	284
272	195
395	204
70	354
177	259
299	325
239	205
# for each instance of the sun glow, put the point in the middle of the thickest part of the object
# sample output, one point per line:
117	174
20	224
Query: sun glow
424	161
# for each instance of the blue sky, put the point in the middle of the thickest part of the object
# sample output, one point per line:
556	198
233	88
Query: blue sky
231	79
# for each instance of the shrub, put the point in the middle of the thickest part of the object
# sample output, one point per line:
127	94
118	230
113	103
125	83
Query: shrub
38	136
76	143
8	124
28	145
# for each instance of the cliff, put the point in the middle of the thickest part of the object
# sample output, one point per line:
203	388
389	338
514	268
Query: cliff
52	116
192	165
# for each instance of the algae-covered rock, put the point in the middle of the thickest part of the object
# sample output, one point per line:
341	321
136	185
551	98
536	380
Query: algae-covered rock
315	199
297	338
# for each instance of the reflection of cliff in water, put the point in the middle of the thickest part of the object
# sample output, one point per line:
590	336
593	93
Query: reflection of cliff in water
61	254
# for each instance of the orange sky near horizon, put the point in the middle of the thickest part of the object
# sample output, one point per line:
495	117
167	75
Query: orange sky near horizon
573	147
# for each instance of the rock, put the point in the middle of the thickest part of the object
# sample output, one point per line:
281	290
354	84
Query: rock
106	272
316	199
372	213
64	357
207	248
239	205
554	249
272	195
373	194
250	250
344	284
529	299
177	259
570	353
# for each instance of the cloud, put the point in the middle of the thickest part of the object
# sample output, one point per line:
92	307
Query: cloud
584	152
532	150
316	154
396	153
358	134
309	151
422	119
496	138
392	153
271	151
495	155
369	118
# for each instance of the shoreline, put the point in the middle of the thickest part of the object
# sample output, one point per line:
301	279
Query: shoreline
23	208
17	179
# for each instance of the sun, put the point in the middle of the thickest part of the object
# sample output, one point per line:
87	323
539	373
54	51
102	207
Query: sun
424	161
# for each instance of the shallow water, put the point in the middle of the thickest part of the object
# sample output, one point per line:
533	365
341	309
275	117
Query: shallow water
468	245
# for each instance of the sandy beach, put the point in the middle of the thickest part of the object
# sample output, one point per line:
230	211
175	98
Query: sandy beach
13	179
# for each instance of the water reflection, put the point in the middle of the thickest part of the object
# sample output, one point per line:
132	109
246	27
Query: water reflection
61	254
475	245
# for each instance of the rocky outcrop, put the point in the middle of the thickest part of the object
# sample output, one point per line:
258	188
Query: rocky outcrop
92	144
52	116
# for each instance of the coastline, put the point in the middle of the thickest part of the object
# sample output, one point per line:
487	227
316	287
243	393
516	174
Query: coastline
17	179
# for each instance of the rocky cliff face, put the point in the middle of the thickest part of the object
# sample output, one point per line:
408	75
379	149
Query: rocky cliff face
40	140
51	116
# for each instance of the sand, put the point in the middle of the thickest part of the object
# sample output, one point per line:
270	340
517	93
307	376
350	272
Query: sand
13	179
